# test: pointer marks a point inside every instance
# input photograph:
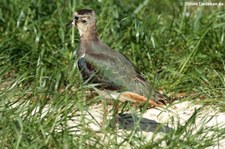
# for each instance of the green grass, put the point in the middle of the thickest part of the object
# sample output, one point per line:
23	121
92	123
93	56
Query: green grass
179	50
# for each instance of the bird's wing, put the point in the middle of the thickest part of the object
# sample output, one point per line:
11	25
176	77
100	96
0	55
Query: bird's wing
112	70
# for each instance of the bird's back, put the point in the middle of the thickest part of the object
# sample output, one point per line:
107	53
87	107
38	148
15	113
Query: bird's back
110	68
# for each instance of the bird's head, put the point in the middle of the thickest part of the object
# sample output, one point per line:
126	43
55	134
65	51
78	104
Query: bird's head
85	21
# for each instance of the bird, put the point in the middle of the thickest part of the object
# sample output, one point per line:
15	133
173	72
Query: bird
113	73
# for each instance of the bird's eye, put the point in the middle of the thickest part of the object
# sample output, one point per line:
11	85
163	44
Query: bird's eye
76	18
84	21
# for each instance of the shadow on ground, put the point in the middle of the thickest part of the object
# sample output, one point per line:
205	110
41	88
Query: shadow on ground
130	122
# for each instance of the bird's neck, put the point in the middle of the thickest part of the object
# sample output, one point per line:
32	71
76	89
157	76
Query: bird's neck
89	34
87	40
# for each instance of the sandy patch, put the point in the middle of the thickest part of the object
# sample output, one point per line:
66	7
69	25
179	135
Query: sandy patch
160	119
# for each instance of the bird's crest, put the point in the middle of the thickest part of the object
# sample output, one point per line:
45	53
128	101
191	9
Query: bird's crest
85	12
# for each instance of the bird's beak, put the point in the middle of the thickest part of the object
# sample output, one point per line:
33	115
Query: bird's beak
72	22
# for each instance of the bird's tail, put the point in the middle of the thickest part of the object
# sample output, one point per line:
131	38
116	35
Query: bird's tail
161	98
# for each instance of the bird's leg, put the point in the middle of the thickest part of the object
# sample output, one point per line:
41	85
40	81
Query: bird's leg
105	113
115	118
